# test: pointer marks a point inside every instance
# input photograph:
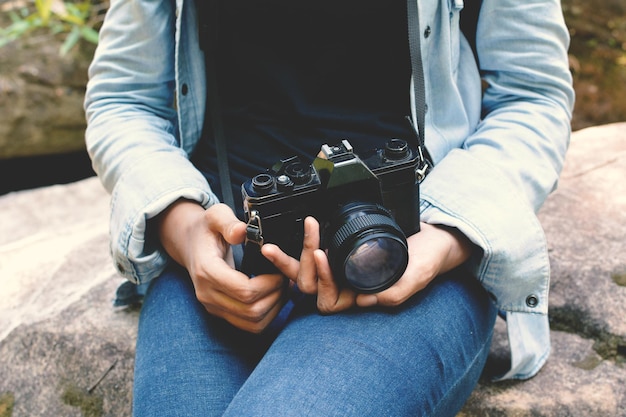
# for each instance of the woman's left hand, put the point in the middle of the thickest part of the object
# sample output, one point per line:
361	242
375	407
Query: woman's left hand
432	251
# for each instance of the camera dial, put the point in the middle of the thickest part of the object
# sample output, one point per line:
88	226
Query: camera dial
298	172
396	149
263	183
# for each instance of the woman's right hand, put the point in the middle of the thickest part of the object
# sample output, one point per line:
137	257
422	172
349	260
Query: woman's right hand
200	240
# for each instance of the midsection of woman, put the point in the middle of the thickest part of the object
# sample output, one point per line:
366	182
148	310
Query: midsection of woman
293	78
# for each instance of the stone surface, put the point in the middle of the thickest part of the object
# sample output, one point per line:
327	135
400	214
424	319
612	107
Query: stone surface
576	381
589	209
41	96
64	350
585	223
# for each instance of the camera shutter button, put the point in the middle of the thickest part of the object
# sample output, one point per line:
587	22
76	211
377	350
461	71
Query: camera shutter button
284	183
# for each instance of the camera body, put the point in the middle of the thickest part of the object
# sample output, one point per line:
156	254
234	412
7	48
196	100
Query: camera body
365	206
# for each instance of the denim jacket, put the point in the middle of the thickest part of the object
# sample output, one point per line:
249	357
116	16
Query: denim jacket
498	148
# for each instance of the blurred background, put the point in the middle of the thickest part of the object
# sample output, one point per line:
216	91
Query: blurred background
46	47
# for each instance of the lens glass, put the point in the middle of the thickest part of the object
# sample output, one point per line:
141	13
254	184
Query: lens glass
375	263
366	248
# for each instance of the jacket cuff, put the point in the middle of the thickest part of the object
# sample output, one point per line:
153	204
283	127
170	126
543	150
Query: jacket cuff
146	190
529	342
468	194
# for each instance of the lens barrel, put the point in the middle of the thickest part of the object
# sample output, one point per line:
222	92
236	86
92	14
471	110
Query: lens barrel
366	247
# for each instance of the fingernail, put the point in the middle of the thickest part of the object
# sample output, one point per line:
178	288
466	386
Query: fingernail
367	300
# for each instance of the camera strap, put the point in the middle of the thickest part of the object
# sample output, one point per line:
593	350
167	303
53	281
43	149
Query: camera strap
208	29
208	18
419	90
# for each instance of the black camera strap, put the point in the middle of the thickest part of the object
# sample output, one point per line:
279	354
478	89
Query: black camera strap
208	29
419	90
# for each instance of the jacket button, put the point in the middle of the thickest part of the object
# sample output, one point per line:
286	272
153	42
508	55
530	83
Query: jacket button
120	267
532	301
427	31
184	89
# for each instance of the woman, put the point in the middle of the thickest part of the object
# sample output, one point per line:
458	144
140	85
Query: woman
292	77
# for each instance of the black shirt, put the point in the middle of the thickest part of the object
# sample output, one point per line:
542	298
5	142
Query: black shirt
294	76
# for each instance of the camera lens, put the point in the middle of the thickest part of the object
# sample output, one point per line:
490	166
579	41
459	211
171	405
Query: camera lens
366	247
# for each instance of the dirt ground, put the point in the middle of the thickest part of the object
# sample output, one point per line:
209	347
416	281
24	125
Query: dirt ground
597	60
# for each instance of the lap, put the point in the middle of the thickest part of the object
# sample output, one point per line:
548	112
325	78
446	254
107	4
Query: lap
422	358
187	362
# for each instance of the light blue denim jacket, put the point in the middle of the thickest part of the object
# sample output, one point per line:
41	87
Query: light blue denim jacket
497	154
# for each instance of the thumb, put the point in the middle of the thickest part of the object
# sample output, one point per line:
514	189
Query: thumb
235	233
223	221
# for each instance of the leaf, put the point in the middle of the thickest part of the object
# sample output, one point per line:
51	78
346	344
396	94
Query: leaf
16	29
72	19
89	34
44	8
72	38
14	16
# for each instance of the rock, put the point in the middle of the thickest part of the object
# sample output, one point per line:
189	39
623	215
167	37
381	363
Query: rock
589	288
575	382
64	349
585	223
41	96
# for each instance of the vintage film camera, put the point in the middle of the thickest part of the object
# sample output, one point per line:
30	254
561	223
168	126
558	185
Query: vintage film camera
365	206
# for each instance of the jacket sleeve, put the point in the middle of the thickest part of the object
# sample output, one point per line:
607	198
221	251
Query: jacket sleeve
493	185
132	134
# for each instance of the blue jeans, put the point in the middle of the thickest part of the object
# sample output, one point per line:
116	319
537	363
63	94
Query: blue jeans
421	359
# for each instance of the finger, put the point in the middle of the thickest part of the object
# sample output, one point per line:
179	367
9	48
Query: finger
330	298
391	297
307	273
311	234
234	284
285	263
254	324
252	309
428	250
223	220
411	282
366	300
248	300
253	290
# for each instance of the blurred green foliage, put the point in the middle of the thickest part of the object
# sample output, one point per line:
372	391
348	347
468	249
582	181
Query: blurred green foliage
74	19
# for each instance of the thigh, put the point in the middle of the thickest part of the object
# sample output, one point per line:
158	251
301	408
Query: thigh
188	363
421	359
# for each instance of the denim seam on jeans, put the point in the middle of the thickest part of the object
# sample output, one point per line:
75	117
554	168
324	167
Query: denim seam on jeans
452	391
